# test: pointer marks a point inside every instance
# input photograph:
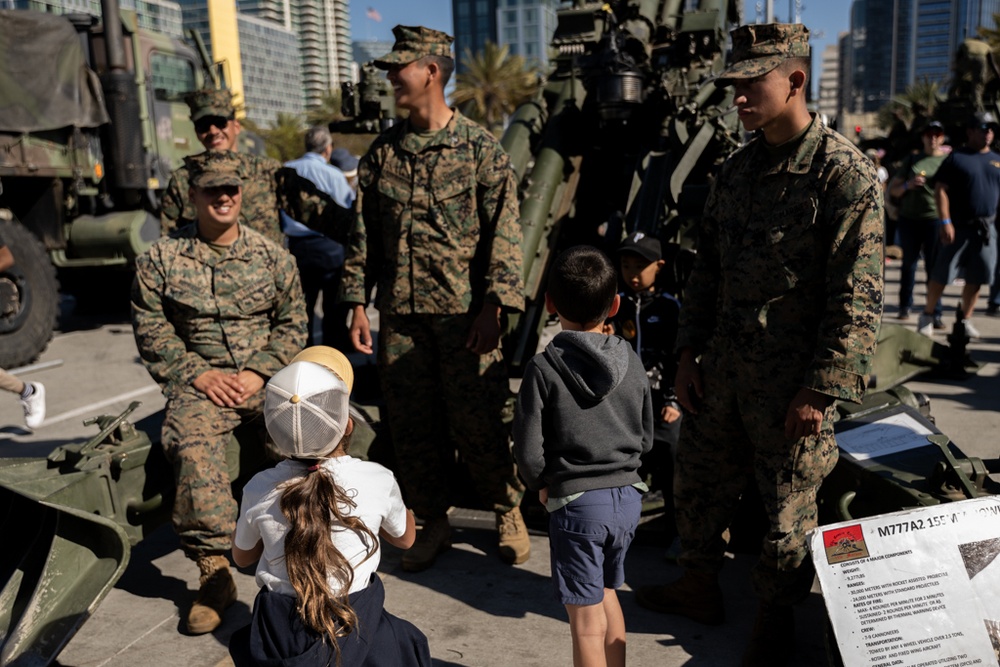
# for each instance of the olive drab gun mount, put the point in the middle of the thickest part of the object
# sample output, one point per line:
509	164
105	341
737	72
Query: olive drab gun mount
623	136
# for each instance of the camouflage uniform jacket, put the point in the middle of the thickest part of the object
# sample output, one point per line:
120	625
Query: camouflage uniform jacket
788	275
194	309
439	229
260	198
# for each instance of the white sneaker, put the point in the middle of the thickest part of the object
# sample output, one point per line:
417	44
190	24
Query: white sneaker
970	330
34	406
925	325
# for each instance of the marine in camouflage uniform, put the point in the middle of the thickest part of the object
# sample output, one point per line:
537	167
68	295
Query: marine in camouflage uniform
200	306
260	174
783	304
439	235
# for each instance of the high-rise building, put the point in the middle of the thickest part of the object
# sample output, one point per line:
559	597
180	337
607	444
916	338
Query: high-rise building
324	28
829	83
844	78
894	44
871	54
321	30
163	16
526	26
324	31
367	50
475	24
272	77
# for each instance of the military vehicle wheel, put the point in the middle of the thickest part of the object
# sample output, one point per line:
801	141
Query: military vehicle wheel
29	297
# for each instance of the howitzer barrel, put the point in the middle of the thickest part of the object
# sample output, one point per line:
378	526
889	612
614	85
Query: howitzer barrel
546	177
525	125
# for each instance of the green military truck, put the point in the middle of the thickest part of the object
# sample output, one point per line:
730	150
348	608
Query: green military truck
92	122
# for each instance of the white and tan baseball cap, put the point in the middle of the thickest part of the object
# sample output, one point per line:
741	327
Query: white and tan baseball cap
307	403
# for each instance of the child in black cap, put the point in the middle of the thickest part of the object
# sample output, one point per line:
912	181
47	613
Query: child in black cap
647	319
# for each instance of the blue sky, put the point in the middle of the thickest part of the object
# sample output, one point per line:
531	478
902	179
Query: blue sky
829	17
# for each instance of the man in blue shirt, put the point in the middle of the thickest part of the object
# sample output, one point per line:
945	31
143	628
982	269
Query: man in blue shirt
967	188
320	258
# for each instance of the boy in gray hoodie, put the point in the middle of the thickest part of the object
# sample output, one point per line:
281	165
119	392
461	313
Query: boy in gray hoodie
584	417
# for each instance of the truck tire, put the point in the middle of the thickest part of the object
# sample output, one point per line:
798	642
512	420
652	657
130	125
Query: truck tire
29	298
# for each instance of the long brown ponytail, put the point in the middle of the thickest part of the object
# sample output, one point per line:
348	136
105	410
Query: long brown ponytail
314	505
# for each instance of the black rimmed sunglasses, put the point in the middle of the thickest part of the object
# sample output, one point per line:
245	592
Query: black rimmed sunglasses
205	123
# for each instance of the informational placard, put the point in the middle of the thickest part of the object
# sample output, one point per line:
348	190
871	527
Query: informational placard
915	588
891	434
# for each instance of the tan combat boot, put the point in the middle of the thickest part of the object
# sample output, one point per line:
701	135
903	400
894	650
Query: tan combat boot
216	593
515	545
433	539
696	595
772	641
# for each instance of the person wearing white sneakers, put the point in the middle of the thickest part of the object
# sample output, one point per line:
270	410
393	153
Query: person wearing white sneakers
32	397
32	393
967	187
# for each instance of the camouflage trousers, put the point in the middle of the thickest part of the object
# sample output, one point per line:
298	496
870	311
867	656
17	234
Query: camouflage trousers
737	434
441	398
196	434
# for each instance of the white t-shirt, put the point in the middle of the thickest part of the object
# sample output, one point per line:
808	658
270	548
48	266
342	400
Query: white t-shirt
372	487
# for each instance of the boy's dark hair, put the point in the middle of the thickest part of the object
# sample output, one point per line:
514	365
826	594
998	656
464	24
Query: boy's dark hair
583	284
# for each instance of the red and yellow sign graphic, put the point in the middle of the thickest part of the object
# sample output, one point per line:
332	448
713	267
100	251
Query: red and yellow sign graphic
845	543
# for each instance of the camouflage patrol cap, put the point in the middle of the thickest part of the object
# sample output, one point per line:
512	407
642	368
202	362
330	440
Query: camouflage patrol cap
413	43
210	102
759	48
214	168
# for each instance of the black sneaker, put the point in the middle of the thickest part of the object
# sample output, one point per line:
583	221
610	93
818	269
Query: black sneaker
903	315
993	310
939	324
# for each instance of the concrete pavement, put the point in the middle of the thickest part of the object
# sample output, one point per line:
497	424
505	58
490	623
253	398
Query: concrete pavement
475	611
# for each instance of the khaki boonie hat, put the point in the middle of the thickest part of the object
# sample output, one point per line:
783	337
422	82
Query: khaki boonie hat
210	102
214	168
413	43
759	48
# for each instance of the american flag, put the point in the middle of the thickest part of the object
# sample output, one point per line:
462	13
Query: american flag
373	14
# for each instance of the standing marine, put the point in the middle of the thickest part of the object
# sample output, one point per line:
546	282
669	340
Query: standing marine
779	319
218	129
217	309
439	237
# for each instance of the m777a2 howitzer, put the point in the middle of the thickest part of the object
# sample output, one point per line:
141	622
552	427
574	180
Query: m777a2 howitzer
625	135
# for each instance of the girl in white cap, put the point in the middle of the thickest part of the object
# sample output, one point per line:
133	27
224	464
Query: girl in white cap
312	523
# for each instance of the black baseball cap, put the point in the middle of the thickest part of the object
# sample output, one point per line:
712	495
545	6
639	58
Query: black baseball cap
933	126
982	119
640	244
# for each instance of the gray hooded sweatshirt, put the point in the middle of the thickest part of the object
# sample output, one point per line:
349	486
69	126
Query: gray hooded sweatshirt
584	415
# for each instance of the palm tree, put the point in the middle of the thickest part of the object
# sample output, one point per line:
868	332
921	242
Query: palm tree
923	96
326	111
282	138
915	106
493	85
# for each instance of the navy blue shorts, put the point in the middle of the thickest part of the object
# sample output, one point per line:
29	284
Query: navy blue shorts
968	254
588	539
